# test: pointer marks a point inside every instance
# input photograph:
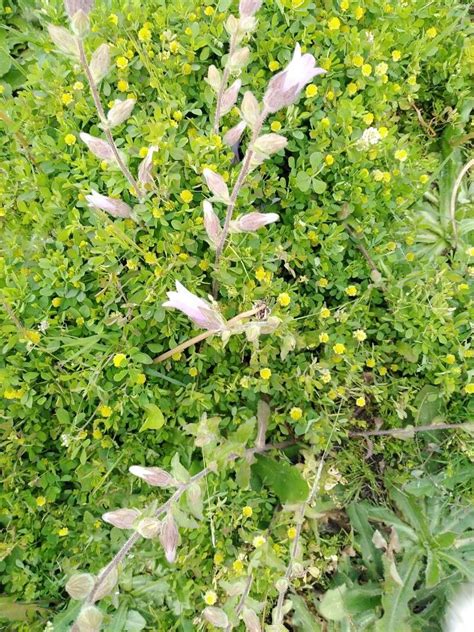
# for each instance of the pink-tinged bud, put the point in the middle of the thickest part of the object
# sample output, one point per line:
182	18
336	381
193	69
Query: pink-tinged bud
89	620
144	170
211	223
233	136
195	308
252	624
230	97
73	6
80	24
239	59
216	617
285	87
120	111
169	537
232	25
154	476
100	63
217	186
270	143
249	7
80	585
64	40
149	528
253	221
114	207
214	78
100	148
121	518
250	109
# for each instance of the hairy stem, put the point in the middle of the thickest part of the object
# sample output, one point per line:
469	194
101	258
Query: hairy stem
395	432
244	171
205	334
103	119
135	537
223	86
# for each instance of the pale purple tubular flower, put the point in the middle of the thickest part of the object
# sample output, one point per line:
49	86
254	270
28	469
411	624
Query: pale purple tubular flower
154	476
253	221
233	136
73	6
114	207
195	308
230	97
285	87
121	518
211	223
169	537
249	7
144	169
100	148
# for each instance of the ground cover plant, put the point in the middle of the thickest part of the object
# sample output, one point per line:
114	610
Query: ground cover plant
235	307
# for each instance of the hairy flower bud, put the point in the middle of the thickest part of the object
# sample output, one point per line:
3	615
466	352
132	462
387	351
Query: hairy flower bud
239	59
100	63
198	310
253	221
285	87
64	40
89	620
233	136
100	148
114	207
154	476
230	97
149	528
120	111
216	617
106	582
73	6
214	78
270	143
144	169
169	537
216	184
250	109
232	25
249	7
121	518
80	585
252	624
80	24
211	223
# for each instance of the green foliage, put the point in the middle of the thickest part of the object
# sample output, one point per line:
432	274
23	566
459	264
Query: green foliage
364	253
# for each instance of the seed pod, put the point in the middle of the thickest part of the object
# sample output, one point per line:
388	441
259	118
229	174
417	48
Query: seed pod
216	184
89	620
214	78
100	63
100	148
80	585
120	112
216	616
169	537
154	476
230	97
121	518
211	223
64	40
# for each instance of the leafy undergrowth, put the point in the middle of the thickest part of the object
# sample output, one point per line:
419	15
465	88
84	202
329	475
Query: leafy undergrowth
366	276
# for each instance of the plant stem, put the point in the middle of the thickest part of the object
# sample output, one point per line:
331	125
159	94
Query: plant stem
205	334
454	193
103	119
395	432
223	86
365	253
241	604
244	171
133	539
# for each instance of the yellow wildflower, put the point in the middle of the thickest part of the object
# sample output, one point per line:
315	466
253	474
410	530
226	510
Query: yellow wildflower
122	85
113	18
323	337
291	533
56	302
359	13
296	413
339	348
193	371
352	88
358	61
140	379
41	501
274	65
325	312
360	401
366	70
334	24
174	47
66	98
218	557
351	290
69	139
186	196
144	34
396	55
265	374
122	62
33	336
258	541
311	90
105	411
329	160
469	388
360	335
119	359
63	532
238	566
284	299
401	155
210	598
432	32
247	511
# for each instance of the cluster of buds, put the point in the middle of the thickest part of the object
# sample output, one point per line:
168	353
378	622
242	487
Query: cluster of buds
238	28
70	42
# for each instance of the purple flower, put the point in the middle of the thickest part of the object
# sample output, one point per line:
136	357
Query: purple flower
285	87
253	221
195	308
211	223
114	207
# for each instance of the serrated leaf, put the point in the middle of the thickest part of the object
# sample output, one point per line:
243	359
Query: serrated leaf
282	478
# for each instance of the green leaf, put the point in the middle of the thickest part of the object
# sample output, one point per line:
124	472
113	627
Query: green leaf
154	419
358	515
135	622
303	181
331	606
319	186
396	597
282	478
303	619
